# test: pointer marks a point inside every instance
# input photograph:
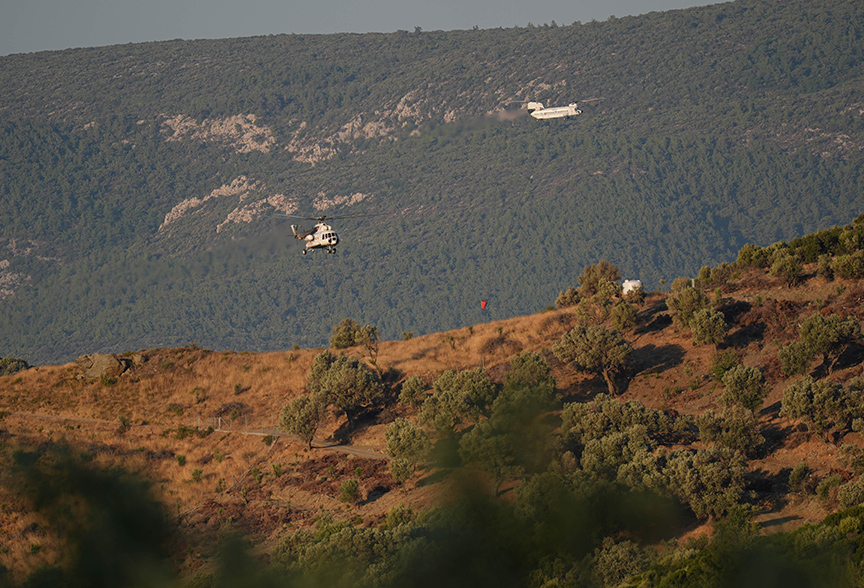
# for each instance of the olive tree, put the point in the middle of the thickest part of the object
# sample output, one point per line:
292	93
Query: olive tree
408	445
593	277
301	417
594	349
825	406
685	303
744	386
710	481
829	336
344	382
458	397
412	390
708	327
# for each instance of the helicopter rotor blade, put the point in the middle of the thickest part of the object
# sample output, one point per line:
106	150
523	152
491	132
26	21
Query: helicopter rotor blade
325	217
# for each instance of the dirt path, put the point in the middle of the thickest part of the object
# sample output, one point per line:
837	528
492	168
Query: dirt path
316	443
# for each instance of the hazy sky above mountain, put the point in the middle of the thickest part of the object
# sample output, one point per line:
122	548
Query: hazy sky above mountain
39	25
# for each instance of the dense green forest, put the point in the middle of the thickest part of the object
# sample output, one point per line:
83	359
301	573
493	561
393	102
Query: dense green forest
713	127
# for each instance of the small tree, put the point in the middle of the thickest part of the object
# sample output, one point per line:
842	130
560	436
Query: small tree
685	303
829	336
458	397
788	267
344	382
735	428
569	297
593	275
708	327
744	386
594	349
367	336
623	316
344	334
711	481
301	416
406	442
412	391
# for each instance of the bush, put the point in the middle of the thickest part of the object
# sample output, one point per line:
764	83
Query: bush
723	362
825	489
825	267
753	256
851	494
849	267
795	358
458	397
685	303
744	386
11	365
593	277
349	490
407	441
412	391
735	428
569	297
401	470
623	316
798	478
708	327
787	267
825	406
710	481
344	334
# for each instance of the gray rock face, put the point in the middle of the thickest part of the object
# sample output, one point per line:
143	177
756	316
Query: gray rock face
98	365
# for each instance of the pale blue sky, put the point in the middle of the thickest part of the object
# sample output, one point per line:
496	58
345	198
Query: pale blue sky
40	25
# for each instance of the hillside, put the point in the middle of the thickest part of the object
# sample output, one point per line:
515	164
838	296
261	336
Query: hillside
153	420
140	182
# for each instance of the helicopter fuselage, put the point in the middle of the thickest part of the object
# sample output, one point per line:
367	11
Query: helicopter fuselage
321	237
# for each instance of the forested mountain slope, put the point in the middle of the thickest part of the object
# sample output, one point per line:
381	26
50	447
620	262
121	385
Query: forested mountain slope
139	183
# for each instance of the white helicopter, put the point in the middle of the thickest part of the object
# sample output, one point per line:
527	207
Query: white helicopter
540	112
321	236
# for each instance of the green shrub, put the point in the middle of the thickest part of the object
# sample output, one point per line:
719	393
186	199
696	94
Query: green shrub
849	267
685	303
788	267
735	428
11	365
349	490
623	316
412	391
825	489
708	327
851	494
722	362
744	386
798	478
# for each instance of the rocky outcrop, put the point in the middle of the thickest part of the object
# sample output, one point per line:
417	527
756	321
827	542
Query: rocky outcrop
100	365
